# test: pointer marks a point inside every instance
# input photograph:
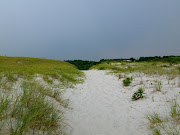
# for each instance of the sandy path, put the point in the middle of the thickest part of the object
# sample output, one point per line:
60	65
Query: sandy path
101	108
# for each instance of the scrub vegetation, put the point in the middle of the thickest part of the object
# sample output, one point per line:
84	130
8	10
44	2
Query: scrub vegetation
82	64
31	95
149	68
139	94
127	81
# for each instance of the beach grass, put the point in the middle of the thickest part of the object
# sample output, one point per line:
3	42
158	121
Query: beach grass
168	126
149	68
30	106
15	67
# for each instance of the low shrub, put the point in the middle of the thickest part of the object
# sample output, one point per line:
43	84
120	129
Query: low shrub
101	68
138	94
127	81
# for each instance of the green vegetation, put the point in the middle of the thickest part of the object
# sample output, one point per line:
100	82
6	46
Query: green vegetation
32	111
85	65
175	110
157	68
82	64
168	126
20	67
158	86
28	106
154	118
127	81
149	68
169	59
138	94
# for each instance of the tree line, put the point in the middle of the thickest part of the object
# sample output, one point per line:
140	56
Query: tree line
85	64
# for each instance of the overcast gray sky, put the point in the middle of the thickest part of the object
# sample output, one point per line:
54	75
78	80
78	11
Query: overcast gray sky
89	29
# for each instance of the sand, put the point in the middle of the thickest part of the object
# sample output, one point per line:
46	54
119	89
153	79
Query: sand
103	106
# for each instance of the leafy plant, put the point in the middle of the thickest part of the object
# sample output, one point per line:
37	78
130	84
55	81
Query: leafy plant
138	94
127	81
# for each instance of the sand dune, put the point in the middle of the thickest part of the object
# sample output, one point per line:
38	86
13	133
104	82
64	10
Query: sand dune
102	106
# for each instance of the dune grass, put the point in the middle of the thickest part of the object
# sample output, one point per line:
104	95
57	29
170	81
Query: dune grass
149	68
28	106
168	126
14	67
32	111
159	123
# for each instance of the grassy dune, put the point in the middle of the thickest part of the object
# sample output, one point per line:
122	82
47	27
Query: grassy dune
160	76
13	67
149	68
30	99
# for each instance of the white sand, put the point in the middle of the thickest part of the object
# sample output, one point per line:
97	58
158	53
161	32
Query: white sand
102	106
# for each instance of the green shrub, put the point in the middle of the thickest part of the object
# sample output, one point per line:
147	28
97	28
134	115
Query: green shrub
101	68
127	81
138	94
114	68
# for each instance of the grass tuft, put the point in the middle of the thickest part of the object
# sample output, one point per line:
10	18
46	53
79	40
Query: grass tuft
154	118
32	111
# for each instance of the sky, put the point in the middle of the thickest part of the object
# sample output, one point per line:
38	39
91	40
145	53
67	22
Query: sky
89	29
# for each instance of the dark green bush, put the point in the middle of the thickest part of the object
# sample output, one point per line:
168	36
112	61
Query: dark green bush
101	68
127	81
82	64
138	94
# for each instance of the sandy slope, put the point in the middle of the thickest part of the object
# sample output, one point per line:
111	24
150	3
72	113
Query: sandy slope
102	106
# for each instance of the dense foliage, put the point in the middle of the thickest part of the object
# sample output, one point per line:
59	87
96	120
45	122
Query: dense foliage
85	65
170	59
127	81
82	65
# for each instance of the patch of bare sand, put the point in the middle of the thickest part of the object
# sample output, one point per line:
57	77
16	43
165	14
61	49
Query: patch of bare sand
102	106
